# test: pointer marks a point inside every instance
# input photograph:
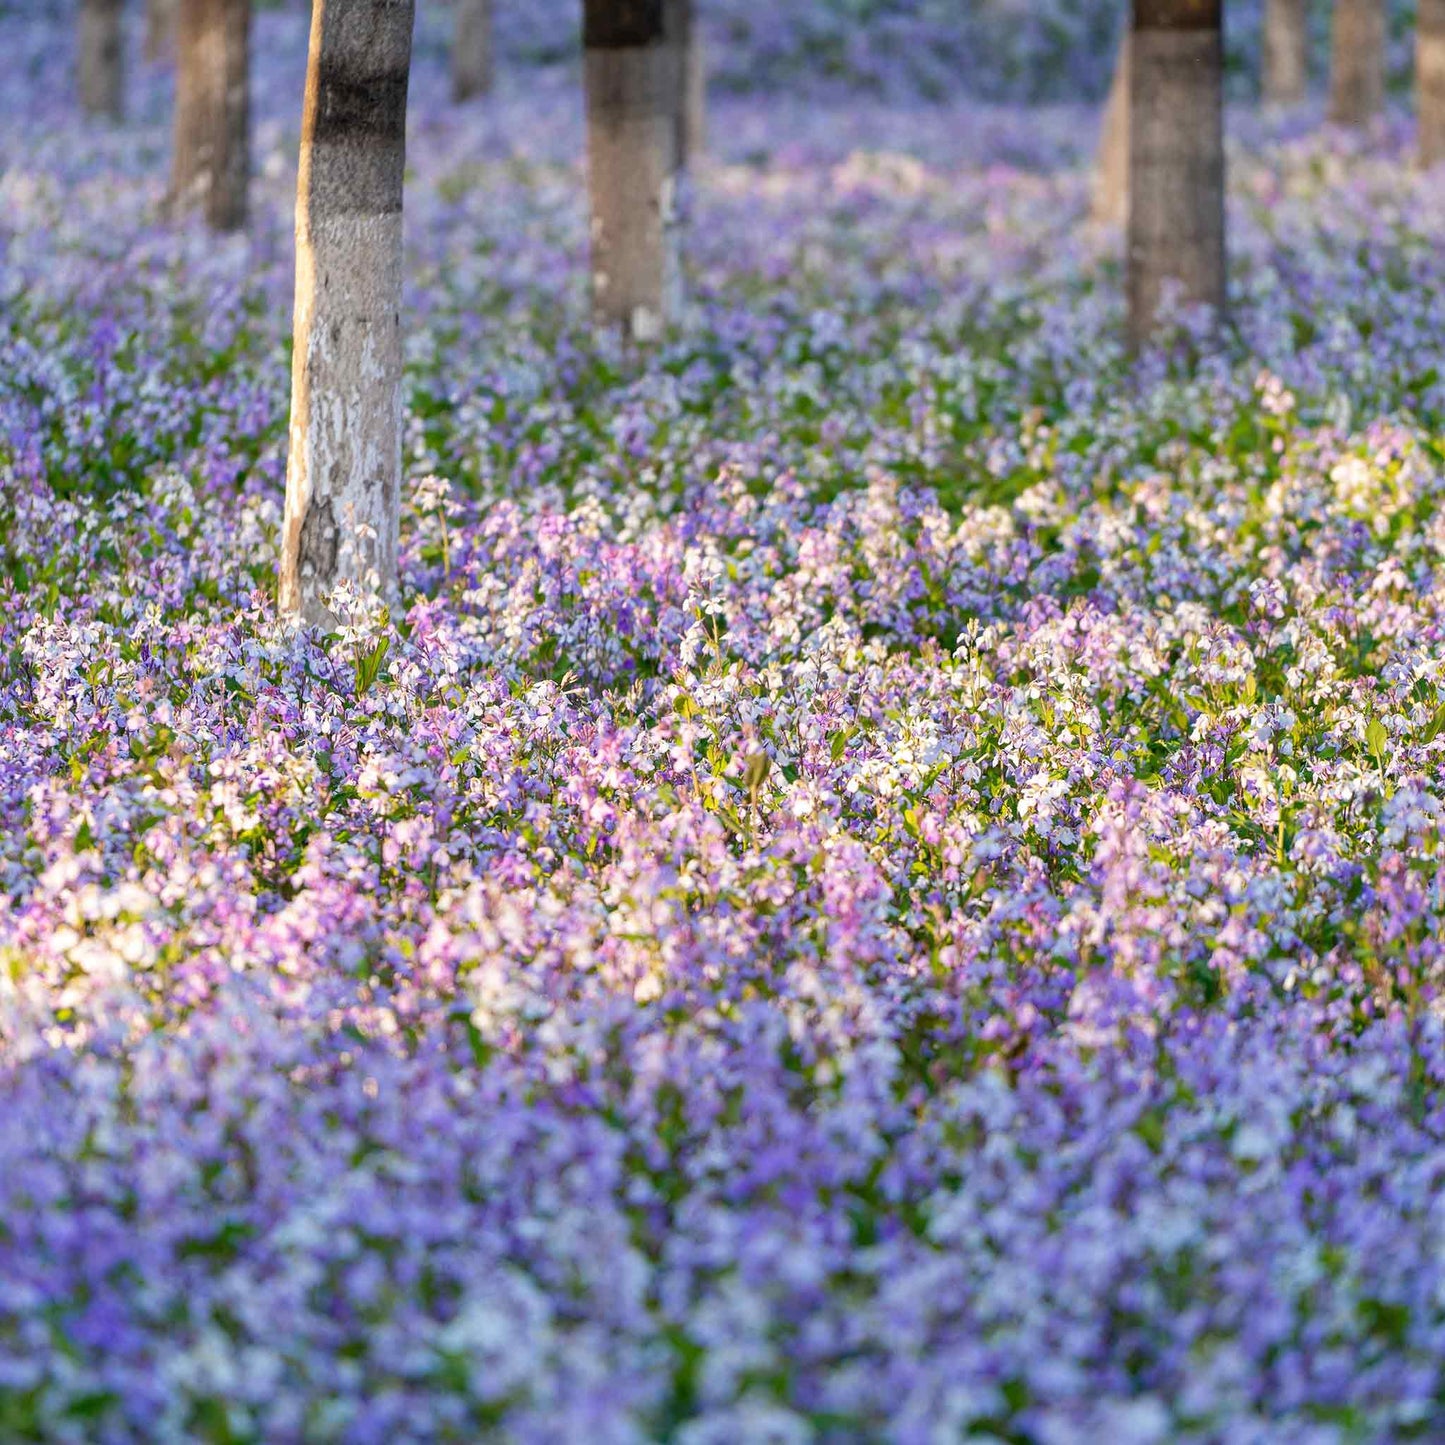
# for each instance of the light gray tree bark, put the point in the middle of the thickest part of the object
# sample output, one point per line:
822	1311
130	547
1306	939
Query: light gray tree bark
211	149
343	474
632	161
101	59
160	35
1286	53
1430	80
1176	159
472	64
1111	168
1357	61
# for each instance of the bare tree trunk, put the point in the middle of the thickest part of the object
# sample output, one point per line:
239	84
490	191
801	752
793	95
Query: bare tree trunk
211	163
688	77
1357	64
1111	170
472	49
1430	80
343	475
160	29
101	60
1176	159
632	147
1286	53
694	96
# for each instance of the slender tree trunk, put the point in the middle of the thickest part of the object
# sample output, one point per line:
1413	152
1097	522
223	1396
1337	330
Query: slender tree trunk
1430	80
1286	53
1357	64
210	166
694	96
632	148
472	49
160	29
343	475
688	77
1111	170
101	60
1176	159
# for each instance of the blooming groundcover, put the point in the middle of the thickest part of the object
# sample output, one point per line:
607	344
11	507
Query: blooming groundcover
882	884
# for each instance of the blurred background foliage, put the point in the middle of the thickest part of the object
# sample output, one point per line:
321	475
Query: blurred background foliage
995	50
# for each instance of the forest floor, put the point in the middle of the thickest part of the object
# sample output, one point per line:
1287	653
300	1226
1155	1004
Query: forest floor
884	882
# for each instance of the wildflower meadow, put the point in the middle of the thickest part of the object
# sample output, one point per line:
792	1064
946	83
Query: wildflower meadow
882	879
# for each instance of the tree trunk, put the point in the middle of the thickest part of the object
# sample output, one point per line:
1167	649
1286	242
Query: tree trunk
1176	159
210	166
1286	53
688	78
101	59
1357	65
472	49
694	97
1430	80
160	30
632	145
343	474
1111	171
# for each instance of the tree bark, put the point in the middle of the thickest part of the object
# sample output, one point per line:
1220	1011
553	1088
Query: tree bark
1286	53
210	165
632	157
1176	159
689	78
1357	62
472	49
1111	171
694	97
101	59
1430	80
160	29
343	475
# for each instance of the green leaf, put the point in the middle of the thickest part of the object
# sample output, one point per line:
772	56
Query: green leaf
368	666
1377	739
755	774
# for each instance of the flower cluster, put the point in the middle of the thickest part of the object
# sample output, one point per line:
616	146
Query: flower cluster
884	883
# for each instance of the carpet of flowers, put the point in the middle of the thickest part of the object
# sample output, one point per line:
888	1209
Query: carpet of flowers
884	884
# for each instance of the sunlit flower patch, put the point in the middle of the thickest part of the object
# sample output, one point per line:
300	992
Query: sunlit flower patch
883	883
